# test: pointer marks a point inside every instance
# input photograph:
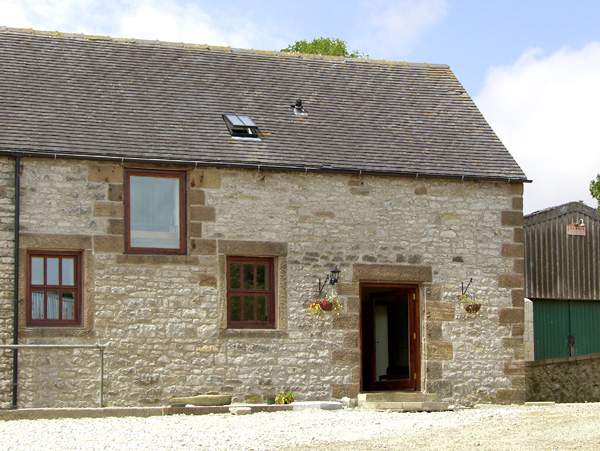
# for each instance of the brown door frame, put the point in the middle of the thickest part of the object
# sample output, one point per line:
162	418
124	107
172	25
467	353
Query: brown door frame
414	327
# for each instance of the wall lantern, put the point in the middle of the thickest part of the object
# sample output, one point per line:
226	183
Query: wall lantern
332	277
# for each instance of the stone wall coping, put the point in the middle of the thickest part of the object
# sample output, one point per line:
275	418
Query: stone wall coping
575	358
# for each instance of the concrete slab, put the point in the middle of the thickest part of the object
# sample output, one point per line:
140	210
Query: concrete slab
194	410
240	410
323	405
35	414
201	400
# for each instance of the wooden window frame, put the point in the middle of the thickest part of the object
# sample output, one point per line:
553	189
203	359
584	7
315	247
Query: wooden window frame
269	293
181	175
76	288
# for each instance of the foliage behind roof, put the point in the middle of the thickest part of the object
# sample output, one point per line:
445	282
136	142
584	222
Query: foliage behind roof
96	97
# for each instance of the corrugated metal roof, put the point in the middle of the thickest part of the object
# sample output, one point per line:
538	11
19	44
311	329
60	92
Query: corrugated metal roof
561	266
97	97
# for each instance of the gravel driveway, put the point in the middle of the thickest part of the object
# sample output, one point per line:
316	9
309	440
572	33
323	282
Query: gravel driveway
558	427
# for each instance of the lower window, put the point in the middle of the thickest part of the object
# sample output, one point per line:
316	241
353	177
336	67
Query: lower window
53	288
250	293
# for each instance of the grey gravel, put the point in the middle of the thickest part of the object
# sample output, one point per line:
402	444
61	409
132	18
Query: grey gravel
561	426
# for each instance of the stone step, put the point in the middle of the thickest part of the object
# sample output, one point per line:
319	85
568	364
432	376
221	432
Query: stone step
369	400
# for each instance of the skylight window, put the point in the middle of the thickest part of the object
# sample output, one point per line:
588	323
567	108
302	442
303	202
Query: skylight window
241	126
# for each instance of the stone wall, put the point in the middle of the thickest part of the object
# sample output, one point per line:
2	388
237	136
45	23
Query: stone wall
7	192
162	316
565	379
528	338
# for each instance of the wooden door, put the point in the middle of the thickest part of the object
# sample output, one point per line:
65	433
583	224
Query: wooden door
390	343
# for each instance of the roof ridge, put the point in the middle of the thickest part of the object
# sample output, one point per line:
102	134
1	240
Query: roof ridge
159	43
561	210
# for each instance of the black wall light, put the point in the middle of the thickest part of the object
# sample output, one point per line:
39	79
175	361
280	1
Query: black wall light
332	277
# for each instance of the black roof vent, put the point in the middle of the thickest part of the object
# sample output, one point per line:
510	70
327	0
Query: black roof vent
299	109
241	126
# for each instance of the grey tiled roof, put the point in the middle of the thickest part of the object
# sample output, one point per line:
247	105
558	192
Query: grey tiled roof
97	97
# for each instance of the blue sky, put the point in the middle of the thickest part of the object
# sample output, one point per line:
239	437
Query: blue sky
532	67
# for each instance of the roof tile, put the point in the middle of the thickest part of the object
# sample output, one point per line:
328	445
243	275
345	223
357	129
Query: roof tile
97	97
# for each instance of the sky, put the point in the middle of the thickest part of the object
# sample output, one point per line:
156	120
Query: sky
531	66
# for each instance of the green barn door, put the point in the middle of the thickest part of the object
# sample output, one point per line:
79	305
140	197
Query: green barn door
565	328
550	329
585	326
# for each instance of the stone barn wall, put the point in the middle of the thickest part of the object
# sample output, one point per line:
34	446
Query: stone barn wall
163	317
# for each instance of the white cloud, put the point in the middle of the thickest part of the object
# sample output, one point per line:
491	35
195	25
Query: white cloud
394	27
167	20
13	14
170	20
55	15
545	110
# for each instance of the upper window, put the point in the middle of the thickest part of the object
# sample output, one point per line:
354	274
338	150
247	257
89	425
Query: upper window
250	293
241	126
53	288
155	211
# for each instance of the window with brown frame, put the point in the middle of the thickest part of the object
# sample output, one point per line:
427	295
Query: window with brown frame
250	293
155	211
54	288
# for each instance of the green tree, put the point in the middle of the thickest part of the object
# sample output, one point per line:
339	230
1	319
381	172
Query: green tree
324	46
595	189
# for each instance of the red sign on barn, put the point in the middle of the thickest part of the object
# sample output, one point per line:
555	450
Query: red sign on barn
576	229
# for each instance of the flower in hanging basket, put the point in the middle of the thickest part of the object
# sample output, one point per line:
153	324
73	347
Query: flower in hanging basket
469	304
328	304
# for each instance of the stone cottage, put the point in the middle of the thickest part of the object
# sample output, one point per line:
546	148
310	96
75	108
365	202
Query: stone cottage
183	205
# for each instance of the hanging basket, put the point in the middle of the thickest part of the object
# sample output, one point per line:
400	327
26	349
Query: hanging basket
472	308
327	306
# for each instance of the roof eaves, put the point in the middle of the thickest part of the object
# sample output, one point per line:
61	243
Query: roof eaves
251	165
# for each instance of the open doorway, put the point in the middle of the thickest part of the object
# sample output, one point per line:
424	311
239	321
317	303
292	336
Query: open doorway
390	344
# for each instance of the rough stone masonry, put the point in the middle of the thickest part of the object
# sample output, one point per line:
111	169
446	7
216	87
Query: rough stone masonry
163	317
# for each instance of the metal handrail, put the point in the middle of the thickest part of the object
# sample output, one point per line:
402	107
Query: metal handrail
96	346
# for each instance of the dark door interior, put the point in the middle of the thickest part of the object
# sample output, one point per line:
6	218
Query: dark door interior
390	348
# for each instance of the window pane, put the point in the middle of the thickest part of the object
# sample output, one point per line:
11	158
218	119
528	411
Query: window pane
52	271
37	271
53	299
262	276
235	272
235	305
248	308
262	307
37	305
250	292
68	306
154	212
68	271
248	277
